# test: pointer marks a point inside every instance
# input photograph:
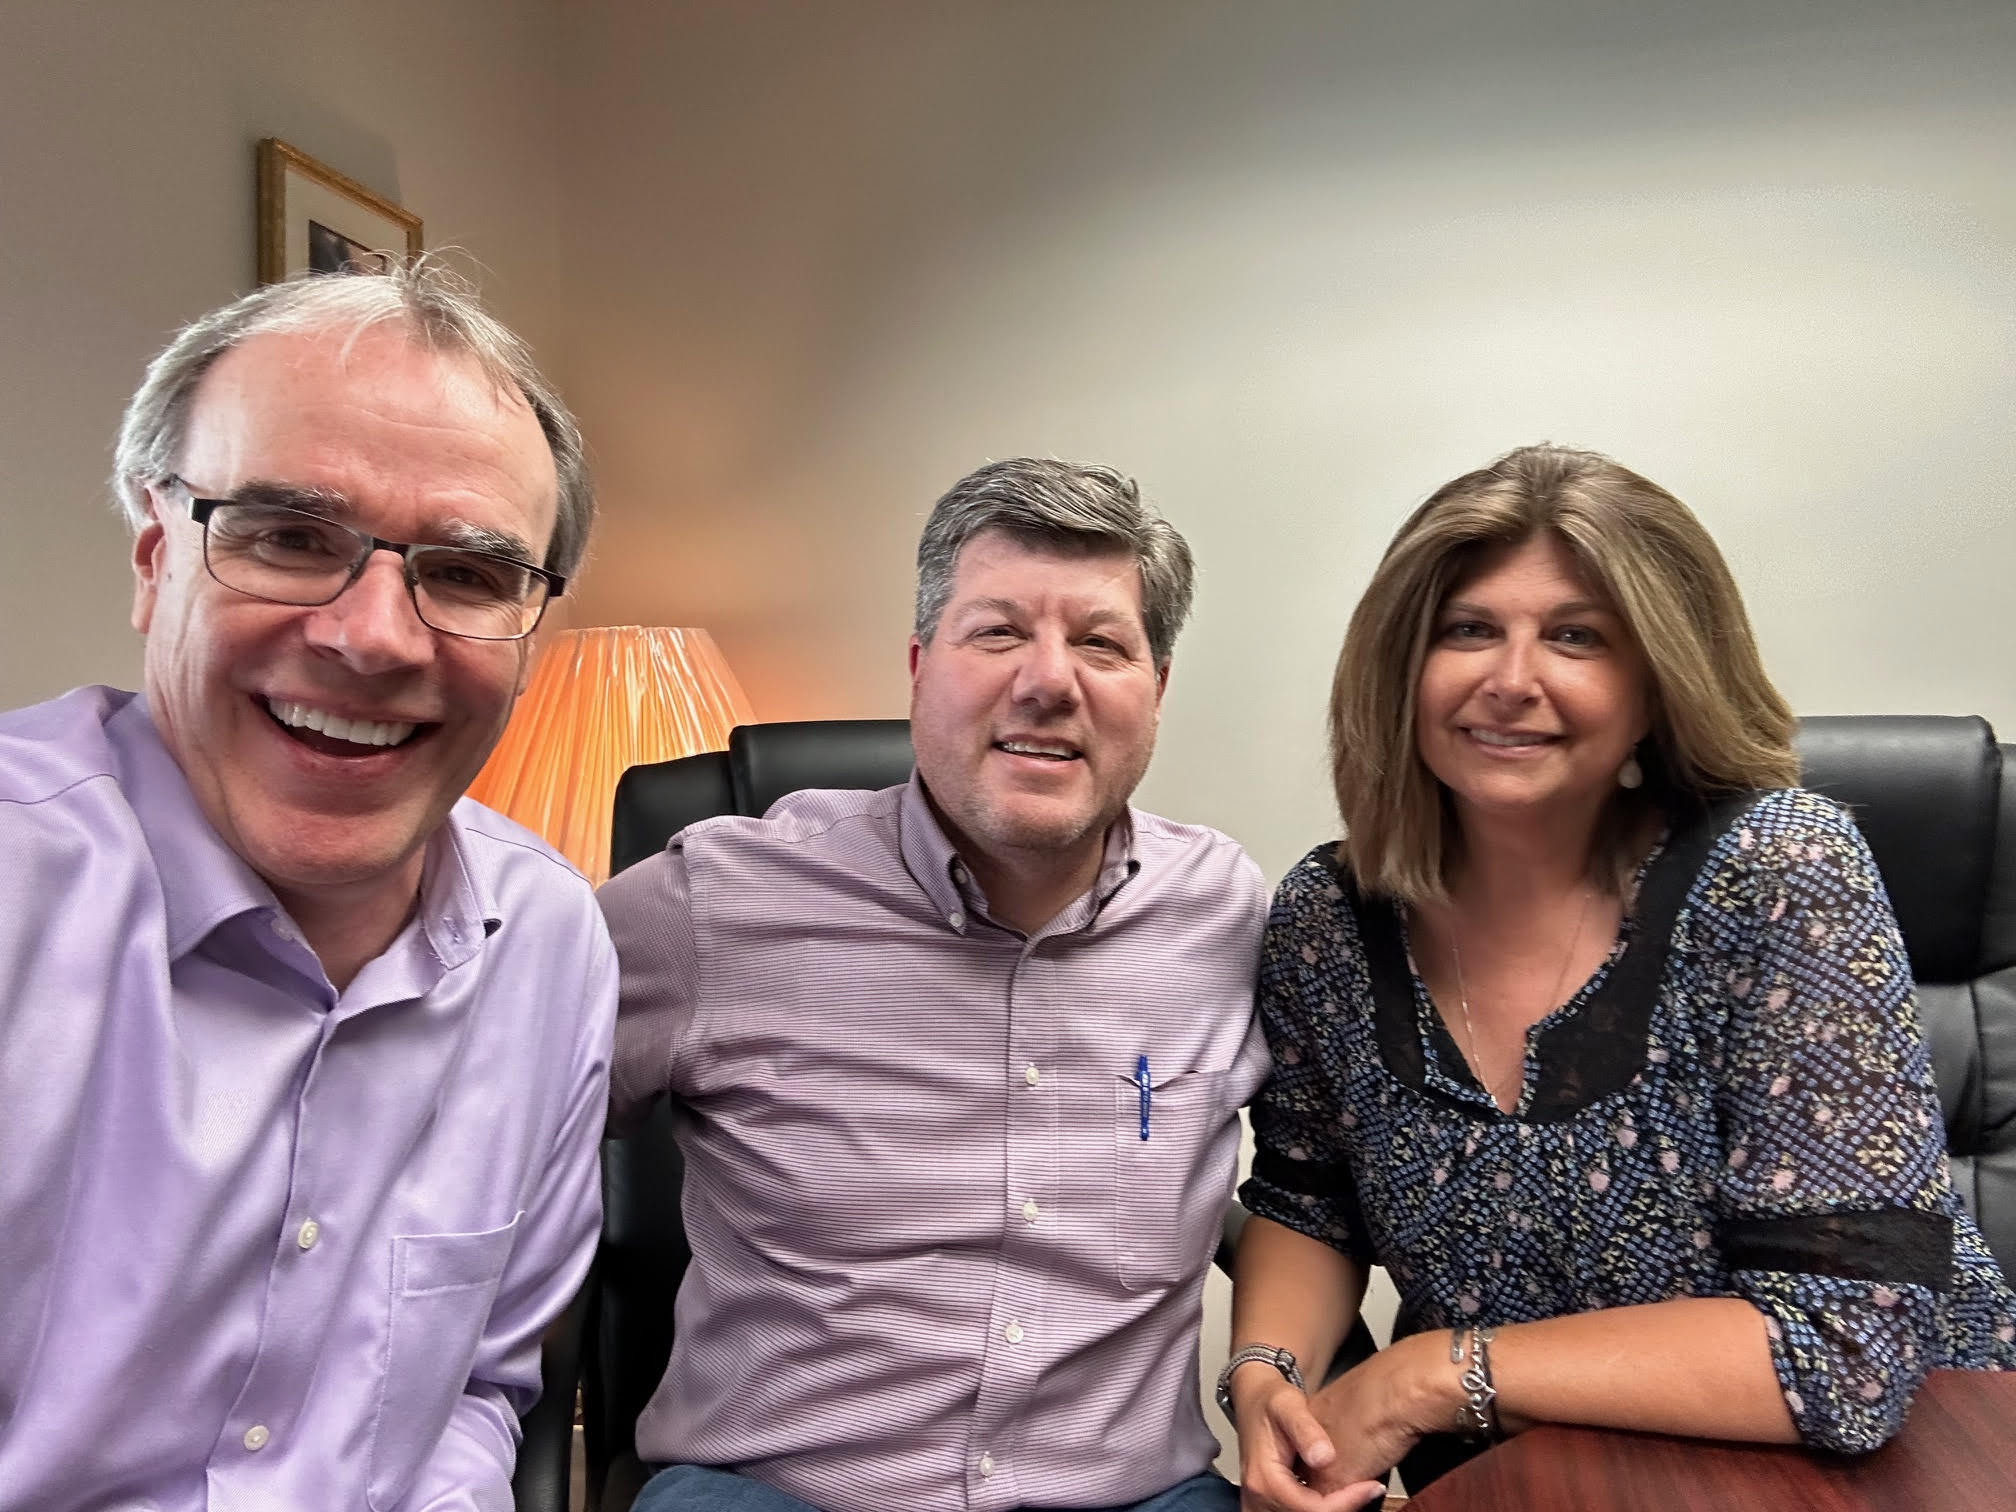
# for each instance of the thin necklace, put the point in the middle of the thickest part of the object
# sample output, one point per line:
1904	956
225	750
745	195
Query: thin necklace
1491	1089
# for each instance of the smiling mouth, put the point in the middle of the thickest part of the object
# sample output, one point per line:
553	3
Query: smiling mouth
1041	750
334	735
1509	740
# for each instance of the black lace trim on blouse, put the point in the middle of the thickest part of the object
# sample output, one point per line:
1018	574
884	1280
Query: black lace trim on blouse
1328	1180
1589	1054
1903	1246
1305	1178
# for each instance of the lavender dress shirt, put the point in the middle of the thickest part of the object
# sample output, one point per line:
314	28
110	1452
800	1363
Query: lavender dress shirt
935	1265
265	1245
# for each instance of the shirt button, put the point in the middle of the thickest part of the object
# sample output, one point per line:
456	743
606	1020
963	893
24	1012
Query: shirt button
1030	1211
1012	1333
956	919
986	1464
256	1436
309	1233
1032	1076
281	927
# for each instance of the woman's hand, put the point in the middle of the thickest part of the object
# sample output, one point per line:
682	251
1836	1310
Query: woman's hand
1286	1460
1372	1415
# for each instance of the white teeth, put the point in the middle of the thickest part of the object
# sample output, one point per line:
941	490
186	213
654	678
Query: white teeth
1493	738
1028	748
368	732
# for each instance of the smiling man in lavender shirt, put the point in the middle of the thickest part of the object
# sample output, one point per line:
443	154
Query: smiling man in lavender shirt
303	1062
957	1065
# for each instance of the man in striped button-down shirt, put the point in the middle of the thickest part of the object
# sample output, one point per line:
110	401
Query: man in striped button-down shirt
958	1064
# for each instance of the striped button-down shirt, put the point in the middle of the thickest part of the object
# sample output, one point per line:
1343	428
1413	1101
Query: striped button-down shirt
936	1263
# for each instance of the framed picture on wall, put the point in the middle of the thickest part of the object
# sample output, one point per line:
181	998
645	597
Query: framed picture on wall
314	219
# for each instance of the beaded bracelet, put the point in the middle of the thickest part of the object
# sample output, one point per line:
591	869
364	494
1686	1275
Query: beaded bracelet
1477	1418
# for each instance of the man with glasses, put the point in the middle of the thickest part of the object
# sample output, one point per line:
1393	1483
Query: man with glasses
303	1059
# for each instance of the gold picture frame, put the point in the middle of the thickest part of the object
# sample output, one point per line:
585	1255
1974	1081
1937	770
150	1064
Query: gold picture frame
314	219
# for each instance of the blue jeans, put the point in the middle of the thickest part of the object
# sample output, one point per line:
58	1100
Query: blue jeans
695	1488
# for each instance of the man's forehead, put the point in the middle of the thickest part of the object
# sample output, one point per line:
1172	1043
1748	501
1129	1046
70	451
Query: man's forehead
341	356
997	564
367	397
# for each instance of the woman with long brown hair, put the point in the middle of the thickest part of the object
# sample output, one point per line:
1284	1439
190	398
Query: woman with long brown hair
1595	1029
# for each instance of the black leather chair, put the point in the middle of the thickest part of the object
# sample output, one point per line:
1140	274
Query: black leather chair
1931	799
541	1482
644	1250
1927	792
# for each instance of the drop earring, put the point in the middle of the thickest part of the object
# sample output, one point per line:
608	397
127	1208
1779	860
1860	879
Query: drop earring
1631	775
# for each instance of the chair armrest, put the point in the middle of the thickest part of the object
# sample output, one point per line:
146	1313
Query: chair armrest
1228	1236
541	1482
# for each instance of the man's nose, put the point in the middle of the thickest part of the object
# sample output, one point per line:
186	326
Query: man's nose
373	625
1046	675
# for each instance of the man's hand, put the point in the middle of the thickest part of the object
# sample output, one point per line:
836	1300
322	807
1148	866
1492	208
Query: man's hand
1286	1461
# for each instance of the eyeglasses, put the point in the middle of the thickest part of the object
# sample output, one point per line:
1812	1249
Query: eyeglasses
289	556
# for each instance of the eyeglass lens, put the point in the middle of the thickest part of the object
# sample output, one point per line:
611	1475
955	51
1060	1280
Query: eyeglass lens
288	556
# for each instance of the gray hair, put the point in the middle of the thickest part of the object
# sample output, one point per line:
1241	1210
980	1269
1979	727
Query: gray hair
1073	507
437	309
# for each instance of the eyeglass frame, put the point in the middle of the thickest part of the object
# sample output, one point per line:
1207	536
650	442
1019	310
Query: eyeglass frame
201	509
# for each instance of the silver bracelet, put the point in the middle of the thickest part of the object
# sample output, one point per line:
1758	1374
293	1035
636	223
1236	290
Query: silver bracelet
1477	1418
1281	1359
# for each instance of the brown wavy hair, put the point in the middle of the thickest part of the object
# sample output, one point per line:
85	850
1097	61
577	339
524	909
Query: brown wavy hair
1718	724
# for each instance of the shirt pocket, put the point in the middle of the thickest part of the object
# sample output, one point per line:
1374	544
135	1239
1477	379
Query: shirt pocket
1169	1194
443	1286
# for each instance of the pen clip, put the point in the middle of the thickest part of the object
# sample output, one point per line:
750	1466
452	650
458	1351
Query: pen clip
1141	1079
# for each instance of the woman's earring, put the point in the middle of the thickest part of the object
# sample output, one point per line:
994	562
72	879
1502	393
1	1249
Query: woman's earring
1631	775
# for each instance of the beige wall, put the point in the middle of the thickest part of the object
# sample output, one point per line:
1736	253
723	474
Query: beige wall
1293	265
800	265
126	207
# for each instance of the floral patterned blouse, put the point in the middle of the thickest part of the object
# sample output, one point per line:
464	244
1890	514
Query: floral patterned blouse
1738	1103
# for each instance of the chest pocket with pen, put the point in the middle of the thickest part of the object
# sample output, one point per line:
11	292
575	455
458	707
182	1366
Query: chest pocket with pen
1168	1195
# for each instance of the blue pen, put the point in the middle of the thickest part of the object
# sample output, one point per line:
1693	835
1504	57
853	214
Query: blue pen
1141	1080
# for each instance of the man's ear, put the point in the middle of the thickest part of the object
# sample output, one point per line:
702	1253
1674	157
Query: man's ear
916	650
1161	683
150	565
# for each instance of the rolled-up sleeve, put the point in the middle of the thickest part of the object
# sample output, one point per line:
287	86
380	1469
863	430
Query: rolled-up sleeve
1833	1215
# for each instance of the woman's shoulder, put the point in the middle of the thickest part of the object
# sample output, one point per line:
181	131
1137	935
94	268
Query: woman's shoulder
1319	883
1781	856
1787	830
1317	900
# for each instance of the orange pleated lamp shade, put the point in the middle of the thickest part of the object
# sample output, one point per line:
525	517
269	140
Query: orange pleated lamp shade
602	700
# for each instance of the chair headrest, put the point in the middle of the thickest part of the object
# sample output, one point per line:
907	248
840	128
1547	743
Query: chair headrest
660	798
1925	790
770	760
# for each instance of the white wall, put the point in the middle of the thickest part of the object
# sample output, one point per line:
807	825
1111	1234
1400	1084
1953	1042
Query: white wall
127	207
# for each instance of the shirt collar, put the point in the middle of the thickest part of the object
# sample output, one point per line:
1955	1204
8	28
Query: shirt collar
212	883
930	858
458	909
